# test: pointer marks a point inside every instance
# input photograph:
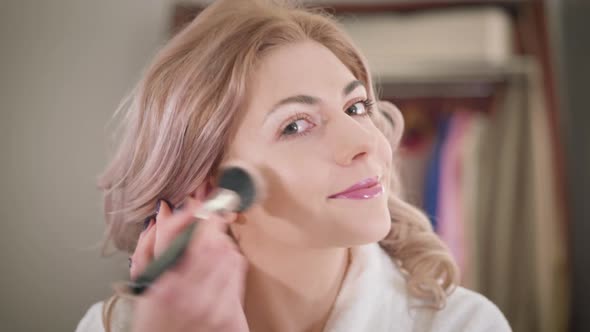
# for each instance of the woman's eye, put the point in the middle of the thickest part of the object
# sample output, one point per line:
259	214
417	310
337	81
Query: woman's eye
296	127
359	108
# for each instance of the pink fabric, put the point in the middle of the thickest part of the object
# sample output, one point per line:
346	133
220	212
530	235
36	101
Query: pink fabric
451	207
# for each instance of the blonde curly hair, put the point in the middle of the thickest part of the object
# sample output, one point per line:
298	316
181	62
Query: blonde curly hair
182	113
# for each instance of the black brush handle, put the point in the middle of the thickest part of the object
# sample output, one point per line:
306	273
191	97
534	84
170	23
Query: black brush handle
167	260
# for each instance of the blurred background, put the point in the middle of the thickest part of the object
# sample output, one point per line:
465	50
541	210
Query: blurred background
495	149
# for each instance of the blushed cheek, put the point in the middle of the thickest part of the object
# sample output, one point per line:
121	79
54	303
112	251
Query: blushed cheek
282	183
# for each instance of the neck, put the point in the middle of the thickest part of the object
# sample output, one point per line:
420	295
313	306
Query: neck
291	289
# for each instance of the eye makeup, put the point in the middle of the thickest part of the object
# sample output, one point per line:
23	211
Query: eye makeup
292	127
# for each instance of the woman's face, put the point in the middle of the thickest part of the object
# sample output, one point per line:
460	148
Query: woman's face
306	129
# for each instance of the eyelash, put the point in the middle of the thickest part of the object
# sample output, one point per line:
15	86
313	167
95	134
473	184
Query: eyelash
367	103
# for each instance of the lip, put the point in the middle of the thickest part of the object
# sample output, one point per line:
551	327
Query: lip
365	189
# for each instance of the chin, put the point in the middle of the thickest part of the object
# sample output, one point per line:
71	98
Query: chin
377	230
362	222
373	229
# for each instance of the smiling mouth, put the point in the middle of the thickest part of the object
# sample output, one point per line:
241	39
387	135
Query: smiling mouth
365	189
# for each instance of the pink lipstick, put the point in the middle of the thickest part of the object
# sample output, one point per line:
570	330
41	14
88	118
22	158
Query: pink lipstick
365	189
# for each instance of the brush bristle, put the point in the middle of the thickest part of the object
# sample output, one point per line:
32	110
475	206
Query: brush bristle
242	182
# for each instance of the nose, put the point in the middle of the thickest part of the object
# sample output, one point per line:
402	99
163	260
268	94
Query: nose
350	140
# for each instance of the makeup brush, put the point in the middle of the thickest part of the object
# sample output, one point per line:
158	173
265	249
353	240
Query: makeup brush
239	187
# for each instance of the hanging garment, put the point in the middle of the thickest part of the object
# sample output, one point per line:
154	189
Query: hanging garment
451	208
471	173
432	182
520	231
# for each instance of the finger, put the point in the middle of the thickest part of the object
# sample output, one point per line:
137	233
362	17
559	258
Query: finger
213	233
168	226
225	308
194	203
209	232
213	273
144	251
167	289
229	296
214	223
206	248
164	210
225	218
240	278
193	292
221	299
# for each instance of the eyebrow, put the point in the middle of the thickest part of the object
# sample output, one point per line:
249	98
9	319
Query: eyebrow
310	100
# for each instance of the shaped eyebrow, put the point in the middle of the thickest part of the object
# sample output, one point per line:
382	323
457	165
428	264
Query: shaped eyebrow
310	100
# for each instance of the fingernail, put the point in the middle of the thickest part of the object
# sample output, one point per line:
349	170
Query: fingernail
158	206
146	222
170	206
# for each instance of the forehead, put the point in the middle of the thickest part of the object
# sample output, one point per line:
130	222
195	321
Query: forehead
305	67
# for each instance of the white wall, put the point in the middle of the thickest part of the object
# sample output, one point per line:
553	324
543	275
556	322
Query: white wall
64	66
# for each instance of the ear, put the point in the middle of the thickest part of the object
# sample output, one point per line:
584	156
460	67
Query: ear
203	190
209	186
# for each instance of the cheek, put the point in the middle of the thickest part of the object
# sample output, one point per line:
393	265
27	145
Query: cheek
283	173
291	208
288	169
294	174
384	151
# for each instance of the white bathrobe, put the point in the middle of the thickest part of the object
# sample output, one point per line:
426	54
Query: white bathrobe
373	298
